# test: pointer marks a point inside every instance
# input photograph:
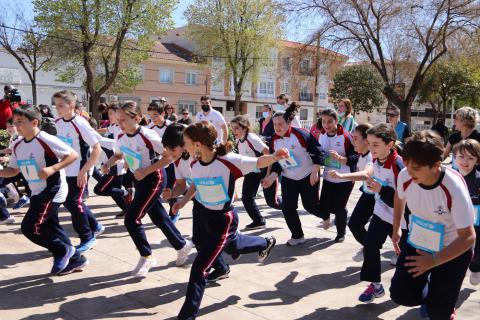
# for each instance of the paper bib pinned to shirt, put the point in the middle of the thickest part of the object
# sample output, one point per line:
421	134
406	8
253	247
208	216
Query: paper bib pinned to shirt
133	159
211	191
426	235
289	163
29	169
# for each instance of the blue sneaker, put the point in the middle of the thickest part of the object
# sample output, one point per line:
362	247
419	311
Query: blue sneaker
98	230
74	266
174	218
424	311
22	202
60	263
85	246
371	293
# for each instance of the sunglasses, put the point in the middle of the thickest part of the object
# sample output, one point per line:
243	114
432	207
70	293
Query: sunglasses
185	114
391	115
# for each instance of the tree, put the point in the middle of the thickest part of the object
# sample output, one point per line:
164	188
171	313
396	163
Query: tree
243	32
103	41
24	41
359	84
395	35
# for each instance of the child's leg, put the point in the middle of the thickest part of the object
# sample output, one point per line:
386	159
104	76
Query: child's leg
360	216
81	215
241	243
342	193
325	203
271	196
4	214
251	182
378	231
160	218
111	186
290	191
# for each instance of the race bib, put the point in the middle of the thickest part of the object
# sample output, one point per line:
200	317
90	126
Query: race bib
133	159
29	169
426	235
332	163
67	140
477	216
211	191
289	163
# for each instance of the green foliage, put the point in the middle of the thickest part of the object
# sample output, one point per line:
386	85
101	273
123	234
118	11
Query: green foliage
361	85
4	139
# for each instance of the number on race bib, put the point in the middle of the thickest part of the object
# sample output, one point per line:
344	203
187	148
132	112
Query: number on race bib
29	169
211	191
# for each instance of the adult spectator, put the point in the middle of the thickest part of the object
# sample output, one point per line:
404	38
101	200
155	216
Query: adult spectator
186	120
465	121
102	110
7	105
170	113
46	111
215	117
345	112
440	128
401	128
266	123
282	105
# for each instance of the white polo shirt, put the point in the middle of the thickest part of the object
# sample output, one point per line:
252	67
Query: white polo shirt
216	118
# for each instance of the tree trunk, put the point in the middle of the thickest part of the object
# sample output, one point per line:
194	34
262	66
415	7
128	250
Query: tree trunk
93	102
238	100
34	91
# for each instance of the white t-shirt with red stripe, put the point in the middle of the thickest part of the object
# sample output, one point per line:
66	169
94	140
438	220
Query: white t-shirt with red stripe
159	130
114	129
339	142
251	146
447	202
183	168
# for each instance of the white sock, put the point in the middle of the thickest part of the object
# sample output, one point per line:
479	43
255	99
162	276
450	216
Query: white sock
377	285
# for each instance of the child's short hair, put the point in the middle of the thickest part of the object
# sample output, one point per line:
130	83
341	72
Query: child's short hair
113	106
153	106
131	109
10	121
469	145
173	136
425	148
67	95
383	131
329	112
30	112
362	129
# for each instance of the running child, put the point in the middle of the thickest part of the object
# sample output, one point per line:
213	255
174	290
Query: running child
341	156
467	155
250	145
75	131
113	130
141	148
175	148
386	166
300	172
364	208
213	182
440	232
42	157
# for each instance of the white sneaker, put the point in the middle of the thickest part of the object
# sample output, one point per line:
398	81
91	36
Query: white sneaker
182	254
295	242
393	259
143	266
358	257
9	220
327	224
475	278
12	192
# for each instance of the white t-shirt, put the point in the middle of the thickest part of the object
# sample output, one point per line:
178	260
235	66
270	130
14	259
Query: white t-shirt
215	181
251	146
44	150
216	118
296	122
335	143
159	130
364	161
79	135
447	202
183	169
114	129
107	152
139	149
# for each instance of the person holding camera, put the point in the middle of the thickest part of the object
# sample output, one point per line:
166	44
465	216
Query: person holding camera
11	100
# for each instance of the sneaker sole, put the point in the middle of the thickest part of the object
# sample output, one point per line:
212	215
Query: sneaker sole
224	276
90	248
68	259
76	269
297	244
182	262
373	298
255	228
269	249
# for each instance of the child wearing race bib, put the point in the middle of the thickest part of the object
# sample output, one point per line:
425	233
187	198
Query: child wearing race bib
440	231
174	146
341	156
364	208
75	131
113	130
141	148
41	158
213	182
386	166
467	154
249	144
300	172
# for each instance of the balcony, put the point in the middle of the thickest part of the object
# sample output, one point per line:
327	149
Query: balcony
306	96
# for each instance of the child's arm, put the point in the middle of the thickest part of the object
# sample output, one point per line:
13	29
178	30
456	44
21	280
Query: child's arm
92	159
188	196
9	172
113	160
141	173
398	209
65	162
102	130
353	176
177	190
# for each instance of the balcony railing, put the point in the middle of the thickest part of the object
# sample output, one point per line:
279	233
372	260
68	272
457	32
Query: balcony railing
306	97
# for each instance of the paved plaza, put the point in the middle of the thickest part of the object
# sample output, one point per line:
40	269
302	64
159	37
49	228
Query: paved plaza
317	280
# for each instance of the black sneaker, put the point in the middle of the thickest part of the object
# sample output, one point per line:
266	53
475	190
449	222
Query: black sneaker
216	275
74	266
263	255
255	225
339	238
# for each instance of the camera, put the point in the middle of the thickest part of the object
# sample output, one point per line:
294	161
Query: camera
14	95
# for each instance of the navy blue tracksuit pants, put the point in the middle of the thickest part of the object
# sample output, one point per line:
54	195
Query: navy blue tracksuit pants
84	223
4	214
475	264
109	185
222	235
361	214
147	200
333	199
444	284
291	189
41	225
251	182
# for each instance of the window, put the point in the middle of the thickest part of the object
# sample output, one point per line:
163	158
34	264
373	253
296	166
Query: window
323	69
218	84
303	114
285	87
305	65
286	64
166	75
258	112
322	96
191	78
190	105
266	88
305	94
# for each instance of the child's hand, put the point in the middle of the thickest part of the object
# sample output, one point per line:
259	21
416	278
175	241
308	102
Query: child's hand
334	174
167	194
373	185
281	154
314	178
105	169
45	173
